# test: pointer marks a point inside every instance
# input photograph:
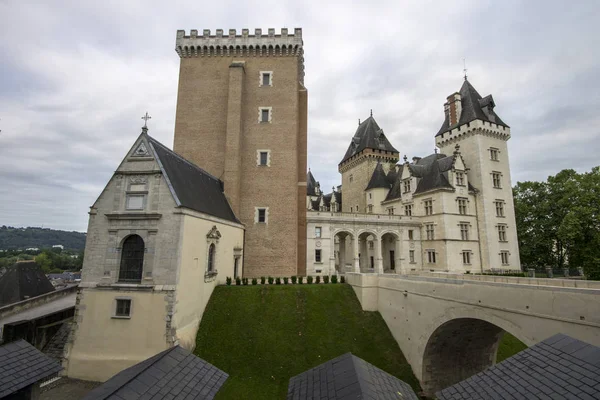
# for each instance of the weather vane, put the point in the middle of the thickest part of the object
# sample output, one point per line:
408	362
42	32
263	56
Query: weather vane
146	118
465	67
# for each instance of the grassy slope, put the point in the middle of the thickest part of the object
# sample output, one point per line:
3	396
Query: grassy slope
509	346
264	335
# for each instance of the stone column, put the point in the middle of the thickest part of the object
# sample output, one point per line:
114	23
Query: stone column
379	256
342	257
400	266
355	250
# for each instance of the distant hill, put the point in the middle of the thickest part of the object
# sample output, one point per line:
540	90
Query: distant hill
22	238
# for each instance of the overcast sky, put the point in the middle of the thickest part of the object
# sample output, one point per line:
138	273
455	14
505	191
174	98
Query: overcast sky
76	77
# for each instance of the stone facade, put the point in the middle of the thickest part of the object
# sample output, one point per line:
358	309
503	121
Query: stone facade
167	301
226	82
460	202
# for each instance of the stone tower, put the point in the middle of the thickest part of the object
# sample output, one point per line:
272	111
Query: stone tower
242	116
369	146
472	123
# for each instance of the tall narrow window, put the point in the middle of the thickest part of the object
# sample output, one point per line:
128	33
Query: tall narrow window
266	79
318	255
263	158
464	231
431	256
211	258
410	234
497	180
430	231
462	206
493	154
499	208
264	115
370	207
504	257
132	259
408	210
466	256
261	215
317	231
502	233
428	207
460	179
411	256
406	184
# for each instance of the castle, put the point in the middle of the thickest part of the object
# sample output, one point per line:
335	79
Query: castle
450	211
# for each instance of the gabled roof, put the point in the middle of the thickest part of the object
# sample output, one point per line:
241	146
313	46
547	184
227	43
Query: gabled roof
191	186
391	176
347	377
368	136
378	179
432	171
22	365
396	189
473	107
559	367
311	184
173	373
338	197
23	280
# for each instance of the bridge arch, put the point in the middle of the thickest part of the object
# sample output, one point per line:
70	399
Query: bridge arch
459	348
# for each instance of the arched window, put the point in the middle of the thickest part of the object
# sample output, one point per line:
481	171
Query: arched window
132	259
211	258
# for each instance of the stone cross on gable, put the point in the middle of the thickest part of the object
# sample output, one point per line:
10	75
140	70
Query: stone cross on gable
146	118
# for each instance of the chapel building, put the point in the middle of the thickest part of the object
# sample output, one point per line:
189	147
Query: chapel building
451	211
242	116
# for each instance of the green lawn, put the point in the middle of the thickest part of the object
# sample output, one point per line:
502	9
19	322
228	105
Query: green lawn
509	346
264	335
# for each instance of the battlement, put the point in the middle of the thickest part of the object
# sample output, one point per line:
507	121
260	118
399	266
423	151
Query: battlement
232	44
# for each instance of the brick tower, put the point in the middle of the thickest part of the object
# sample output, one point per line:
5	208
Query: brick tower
242	116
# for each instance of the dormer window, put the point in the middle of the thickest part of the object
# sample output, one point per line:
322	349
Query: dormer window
460	178
406	184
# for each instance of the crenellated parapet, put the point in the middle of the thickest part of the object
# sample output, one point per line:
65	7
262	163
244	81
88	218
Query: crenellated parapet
259	44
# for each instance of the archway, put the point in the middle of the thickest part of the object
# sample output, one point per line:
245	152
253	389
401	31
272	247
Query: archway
343	251
369	253
132	259
458	349
390	252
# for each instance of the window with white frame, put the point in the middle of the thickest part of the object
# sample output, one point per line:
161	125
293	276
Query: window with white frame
406	184
502	233
411	256
428	207
430	232
265	114
462	206
263	158
317	231
262	215
266	78
499	208
318	255
122	308
504	257
408	210
493	154
460	178
497	180
466	257
464	230
431	256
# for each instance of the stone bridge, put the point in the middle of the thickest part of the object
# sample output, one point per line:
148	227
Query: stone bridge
449	326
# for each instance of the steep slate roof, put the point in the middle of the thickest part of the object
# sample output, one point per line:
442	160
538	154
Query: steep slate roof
338	197
391	176
173	373
311	184
193	187
432	172
23	279
395	191
559	367
348	377
378	179
473	106
21	365
368	136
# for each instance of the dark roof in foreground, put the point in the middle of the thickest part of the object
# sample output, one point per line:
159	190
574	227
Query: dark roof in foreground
348	377
194	188
174	373
379	179
432	172
23	280
368	136
21	365
560	367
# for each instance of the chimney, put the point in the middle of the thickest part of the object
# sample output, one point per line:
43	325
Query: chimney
453	108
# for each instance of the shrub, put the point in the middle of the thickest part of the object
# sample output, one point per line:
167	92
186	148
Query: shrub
238	281
342	279
278	281
228	281
254	281
326	279
285	280
318	279
309	279
270	280
262	280
294	280
333	278
300	278
245	281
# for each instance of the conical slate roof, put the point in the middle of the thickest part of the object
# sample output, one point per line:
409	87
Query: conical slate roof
378	179
311	184
368	136
23	280
473	107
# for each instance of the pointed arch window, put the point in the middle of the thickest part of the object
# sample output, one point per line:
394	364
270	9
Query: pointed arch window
132	259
